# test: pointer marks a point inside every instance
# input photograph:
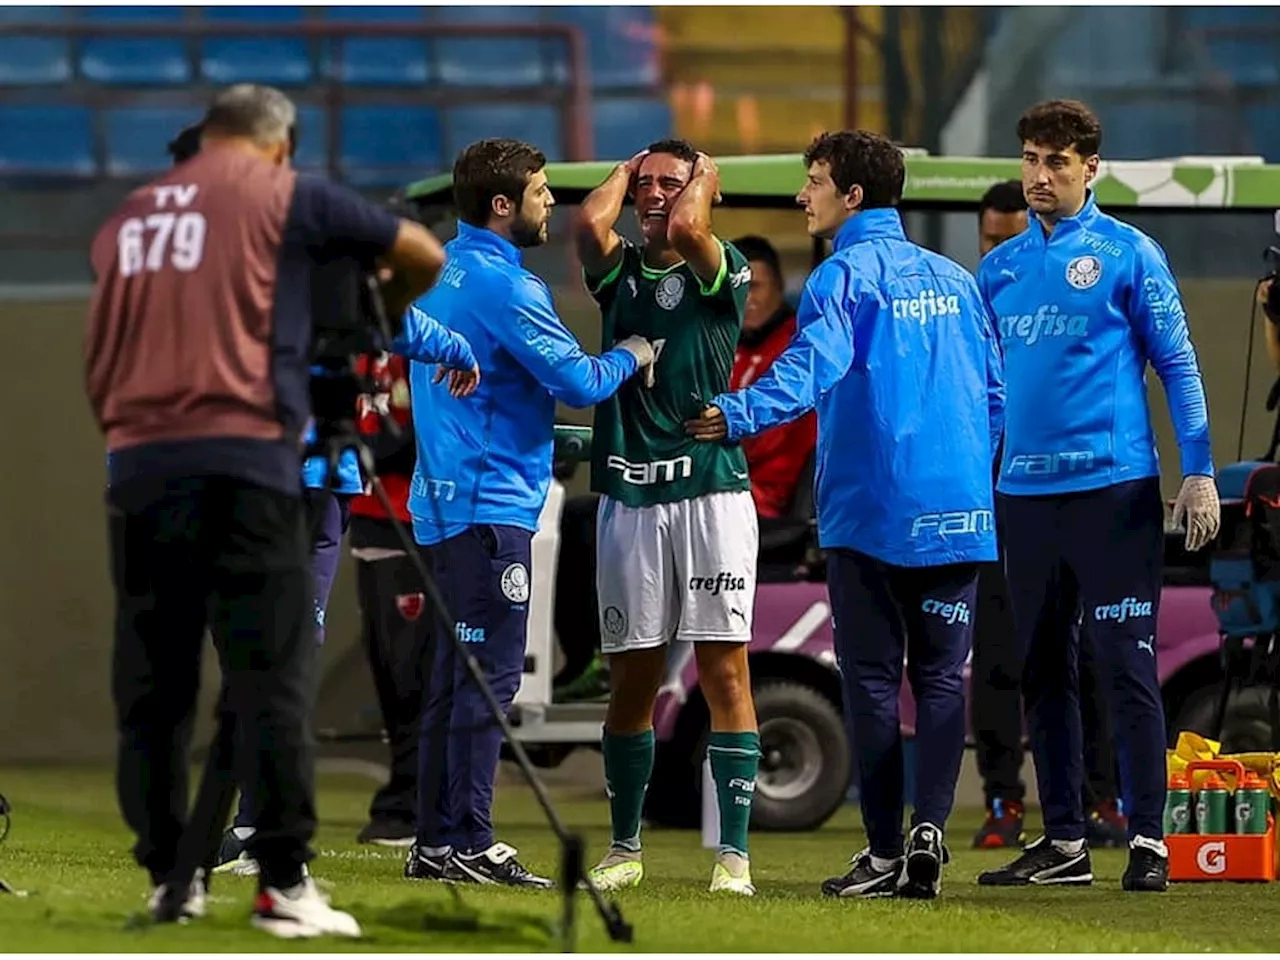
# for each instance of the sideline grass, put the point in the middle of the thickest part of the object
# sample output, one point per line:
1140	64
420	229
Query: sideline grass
69	848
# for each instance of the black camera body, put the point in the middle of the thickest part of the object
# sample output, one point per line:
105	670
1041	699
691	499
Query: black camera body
349	320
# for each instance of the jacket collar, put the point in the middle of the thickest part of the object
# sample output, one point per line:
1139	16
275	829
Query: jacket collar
1083	220
482	238
879	223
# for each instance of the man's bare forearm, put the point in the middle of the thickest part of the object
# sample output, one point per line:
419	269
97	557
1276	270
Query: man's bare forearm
598	214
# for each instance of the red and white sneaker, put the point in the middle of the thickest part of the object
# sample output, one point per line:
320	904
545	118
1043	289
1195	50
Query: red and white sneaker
301	911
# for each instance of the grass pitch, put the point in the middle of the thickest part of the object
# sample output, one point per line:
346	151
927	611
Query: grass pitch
69	849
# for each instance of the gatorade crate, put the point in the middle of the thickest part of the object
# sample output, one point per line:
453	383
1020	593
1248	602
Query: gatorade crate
1225	856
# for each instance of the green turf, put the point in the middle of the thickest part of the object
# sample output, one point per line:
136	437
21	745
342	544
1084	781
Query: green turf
69	849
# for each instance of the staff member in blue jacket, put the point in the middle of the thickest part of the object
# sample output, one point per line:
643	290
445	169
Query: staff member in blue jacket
1083	303
481	480
895	349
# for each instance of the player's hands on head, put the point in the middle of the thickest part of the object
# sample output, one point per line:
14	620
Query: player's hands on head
709	427
704	166
462	383
642	350
633	171
1197	506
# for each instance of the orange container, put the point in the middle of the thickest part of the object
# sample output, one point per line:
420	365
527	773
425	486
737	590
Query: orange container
1228	856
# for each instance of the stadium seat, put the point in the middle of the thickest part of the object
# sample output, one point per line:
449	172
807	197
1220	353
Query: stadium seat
377	61
384	146
622	126
139	61
313	139
264	14
536	123
279	61
1149	130
282	61
496	61
500	61
1264	129
34	14
1247	61
46	141
29	61
108	14
136	138
622	46
1108	47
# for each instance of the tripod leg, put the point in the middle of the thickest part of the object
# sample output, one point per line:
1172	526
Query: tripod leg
199	844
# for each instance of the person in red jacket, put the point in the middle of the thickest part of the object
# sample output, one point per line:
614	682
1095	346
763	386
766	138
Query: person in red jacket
777	457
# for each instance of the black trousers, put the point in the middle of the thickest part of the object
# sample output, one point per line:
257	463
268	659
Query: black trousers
995	701
213	552
396	627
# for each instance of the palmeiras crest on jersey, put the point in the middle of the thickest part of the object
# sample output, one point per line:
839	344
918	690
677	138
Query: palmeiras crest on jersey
515	583
1084	272
670	291
615	622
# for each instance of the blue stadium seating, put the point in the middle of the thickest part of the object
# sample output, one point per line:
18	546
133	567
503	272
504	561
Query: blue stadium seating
313	139
539	124
1248	61
1148	130
378	61
281	61
621	44
498	61
384	146
141	61
278	61
1108	46
136	138
253	14
108	14
622	126
1228	16
30	61
34	14
1264	129
46	140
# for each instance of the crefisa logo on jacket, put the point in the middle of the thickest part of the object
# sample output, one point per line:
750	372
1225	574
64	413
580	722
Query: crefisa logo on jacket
1084	272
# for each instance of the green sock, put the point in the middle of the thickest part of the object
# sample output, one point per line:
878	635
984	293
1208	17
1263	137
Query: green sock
628	764
735	758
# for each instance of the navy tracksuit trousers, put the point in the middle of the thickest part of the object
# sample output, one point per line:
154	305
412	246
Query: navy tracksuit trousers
483	576
1102	549
882	612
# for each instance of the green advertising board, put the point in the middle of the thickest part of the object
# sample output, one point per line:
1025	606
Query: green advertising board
956	182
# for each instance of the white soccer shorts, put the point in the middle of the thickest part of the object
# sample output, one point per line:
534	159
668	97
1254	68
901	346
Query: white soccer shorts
684	571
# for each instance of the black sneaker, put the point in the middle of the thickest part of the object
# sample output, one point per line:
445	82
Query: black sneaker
387	833
925	857
1106	827
233	855
498	865
422	866
864	880
1042	863
1148	871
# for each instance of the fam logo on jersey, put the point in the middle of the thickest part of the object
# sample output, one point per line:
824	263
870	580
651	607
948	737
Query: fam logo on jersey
515	583
670	291
615	622
1084	272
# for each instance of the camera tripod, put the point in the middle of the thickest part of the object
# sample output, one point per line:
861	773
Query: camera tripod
199	844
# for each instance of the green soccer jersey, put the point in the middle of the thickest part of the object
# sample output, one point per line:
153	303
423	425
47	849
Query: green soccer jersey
640	454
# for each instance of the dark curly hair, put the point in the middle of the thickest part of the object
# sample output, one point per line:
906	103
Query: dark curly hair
492	168
680	149
1062	124
873	162
1003	197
